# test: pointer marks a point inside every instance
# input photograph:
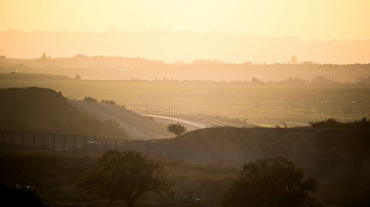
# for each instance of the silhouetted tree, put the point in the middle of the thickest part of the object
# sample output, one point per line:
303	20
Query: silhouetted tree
108	101
177	129
125	176
90	99
18	197
270	182
257	81
44	57
333	123
77	77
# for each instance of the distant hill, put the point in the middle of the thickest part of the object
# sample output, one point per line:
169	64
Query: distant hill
305	145
182	45
40	109
124	68
274	141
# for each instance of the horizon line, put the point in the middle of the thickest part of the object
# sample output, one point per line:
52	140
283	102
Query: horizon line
116	30
180	62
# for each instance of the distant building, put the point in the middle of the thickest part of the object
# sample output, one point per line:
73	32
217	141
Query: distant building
293	60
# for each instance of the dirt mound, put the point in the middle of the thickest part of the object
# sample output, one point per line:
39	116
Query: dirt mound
137	126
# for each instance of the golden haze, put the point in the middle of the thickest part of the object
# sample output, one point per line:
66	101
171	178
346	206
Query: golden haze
307	19
207	29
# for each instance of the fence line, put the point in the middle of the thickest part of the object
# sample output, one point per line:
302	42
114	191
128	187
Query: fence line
56	142
178	113
93	145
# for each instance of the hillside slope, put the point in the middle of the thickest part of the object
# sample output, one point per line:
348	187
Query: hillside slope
297	143
338	158
137	126
45	110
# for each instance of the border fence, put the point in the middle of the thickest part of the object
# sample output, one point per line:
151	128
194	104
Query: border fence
56	142
12	140
177	113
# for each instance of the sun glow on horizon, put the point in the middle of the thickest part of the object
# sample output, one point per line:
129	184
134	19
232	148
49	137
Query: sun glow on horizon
269	31
306	19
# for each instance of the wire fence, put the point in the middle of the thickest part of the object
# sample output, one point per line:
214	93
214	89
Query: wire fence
178	113
12	140
56	142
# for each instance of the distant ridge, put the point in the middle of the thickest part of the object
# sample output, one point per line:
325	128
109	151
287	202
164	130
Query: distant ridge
182	46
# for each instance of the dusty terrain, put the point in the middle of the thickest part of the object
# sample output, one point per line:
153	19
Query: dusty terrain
137	126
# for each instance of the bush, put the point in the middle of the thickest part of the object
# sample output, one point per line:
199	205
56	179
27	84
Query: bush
177	129
18	197
328	123
270	182
332	123
77	77
363	123
125	176
108	101
90	99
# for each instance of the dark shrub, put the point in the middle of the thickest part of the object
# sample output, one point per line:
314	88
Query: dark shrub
90	99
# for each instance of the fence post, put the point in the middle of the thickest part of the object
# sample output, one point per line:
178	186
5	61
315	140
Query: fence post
116	144
85	144
2	139
74	143
43	141
33	140
200	156
178	152
168	149
95	144
22	140
64	142
147	148
54	142
157	149
13	139
137	145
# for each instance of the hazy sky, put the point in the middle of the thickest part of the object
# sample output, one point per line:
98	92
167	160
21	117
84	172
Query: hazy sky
307	19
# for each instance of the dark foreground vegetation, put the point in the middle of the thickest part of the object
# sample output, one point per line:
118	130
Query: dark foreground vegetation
132	178
271	182
125	176
65	180
332	123
19	196
45	110
55	178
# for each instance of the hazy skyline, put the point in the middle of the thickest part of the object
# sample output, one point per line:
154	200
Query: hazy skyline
182	46
306	19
